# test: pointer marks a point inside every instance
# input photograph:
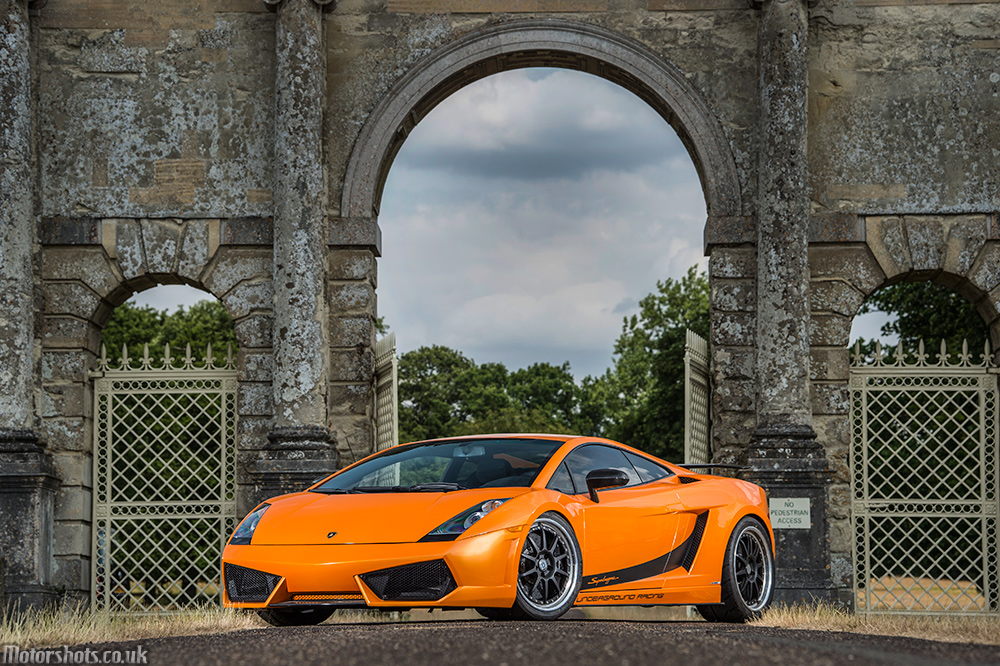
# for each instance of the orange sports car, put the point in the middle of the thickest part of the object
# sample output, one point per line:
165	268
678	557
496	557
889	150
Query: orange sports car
515	526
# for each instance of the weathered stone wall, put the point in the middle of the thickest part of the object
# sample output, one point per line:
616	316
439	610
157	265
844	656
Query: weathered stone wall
957	251
89	266
157	129
156	109
903	107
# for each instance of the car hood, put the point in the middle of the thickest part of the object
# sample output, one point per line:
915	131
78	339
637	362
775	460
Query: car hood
314	518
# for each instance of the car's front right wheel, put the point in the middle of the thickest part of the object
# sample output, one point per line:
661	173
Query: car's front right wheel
295	617
747	575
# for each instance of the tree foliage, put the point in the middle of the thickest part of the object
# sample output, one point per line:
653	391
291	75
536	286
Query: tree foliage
929	312
639	401
206	322
645	386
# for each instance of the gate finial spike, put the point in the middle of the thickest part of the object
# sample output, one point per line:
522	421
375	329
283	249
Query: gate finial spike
145	356
168	360
229	356
900	355
857	352
878	352
188	359
209	358
966	357
123	361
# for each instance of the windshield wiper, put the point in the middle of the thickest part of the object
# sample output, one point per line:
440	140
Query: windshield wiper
440	487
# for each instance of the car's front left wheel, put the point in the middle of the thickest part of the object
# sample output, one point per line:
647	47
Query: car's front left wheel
549	571
295	617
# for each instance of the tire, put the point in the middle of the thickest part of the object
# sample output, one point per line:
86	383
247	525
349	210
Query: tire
549	572
295	617
747	575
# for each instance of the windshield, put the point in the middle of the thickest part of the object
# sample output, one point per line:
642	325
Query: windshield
443	466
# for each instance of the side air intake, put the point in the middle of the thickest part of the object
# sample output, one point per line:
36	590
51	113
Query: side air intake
695	540
243	584
422	581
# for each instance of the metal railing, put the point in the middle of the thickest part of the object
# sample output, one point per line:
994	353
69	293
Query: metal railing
164	479
924	460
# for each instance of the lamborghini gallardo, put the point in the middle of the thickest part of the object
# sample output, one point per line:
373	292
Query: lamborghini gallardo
514	526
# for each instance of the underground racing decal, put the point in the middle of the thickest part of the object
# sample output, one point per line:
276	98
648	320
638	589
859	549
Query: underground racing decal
679	556
624	596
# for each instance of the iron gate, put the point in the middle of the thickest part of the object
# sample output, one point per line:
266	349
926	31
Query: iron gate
697	403
924	482
164	484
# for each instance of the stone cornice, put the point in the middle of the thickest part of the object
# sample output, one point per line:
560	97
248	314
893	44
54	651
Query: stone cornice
326	5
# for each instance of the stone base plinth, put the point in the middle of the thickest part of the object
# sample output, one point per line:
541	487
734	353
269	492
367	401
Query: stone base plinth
28	484
789	464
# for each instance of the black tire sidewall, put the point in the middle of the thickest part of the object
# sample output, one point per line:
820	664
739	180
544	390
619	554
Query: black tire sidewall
524	610
734	608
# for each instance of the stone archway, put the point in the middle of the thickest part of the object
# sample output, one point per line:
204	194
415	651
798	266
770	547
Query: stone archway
548	43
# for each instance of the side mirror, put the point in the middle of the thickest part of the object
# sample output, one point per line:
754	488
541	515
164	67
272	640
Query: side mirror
605	478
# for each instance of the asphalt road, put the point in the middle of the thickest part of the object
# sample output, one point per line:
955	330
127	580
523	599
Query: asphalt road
562	643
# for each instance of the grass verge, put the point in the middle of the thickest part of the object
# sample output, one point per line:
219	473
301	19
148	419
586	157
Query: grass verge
952	629
76	626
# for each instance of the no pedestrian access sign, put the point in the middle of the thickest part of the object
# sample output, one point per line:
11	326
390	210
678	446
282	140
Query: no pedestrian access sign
790	513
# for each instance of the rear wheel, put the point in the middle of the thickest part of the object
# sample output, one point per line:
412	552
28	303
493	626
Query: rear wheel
295	617
549	571
747	575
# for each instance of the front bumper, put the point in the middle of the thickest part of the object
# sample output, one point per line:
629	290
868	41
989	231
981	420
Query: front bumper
483	569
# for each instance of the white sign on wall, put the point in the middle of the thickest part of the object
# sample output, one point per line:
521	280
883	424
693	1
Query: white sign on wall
790	513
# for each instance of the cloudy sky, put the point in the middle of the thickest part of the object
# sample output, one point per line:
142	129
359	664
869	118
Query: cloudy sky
525	216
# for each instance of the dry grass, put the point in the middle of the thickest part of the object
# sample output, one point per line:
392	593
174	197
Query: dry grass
953	629
74	626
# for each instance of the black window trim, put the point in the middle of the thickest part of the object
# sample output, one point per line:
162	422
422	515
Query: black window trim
624	453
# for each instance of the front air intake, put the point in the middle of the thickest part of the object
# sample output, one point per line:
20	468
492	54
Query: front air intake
422	581
250	585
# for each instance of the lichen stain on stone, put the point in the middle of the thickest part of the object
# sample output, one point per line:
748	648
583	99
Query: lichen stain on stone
172	104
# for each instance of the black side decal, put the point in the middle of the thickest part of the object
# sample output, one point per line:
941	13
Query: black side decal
662	564
694	541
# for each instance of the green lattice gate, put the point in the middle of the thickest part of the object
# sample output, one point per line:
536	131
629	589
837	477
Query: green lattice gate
164	486
924	476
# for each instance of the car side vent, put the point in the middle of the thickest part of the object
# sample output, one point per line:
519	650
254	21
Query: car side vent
695	540
421	581
687	479
243	584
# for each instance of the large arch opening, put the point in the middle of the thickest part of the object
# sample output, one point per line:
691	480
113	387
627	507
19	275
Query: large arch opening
569	49
550	43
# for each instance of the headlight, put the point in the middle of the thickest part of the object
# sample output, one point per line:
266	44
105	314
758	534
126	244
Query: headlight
450	529
243	533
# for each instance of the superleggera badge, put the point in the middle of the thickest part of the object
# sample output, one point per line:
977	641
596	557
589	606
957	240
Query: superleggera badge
603	581
331	535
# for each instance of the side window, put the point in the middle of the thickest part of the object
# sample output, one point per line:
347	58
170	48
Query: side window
561	481
589	457
647	469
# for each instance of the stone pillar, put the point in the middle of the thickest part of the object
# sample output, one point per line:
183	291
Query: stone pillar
299	445
27	476
784	454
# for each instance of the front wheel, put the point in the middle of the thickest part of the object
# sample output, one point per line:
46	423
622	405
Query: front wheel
549	573
747	575
295	617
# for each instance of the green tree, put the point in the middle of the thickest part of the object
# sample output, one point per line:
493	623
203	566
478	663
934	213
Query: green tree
431	395
644	389
133	326
929	312
206	322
